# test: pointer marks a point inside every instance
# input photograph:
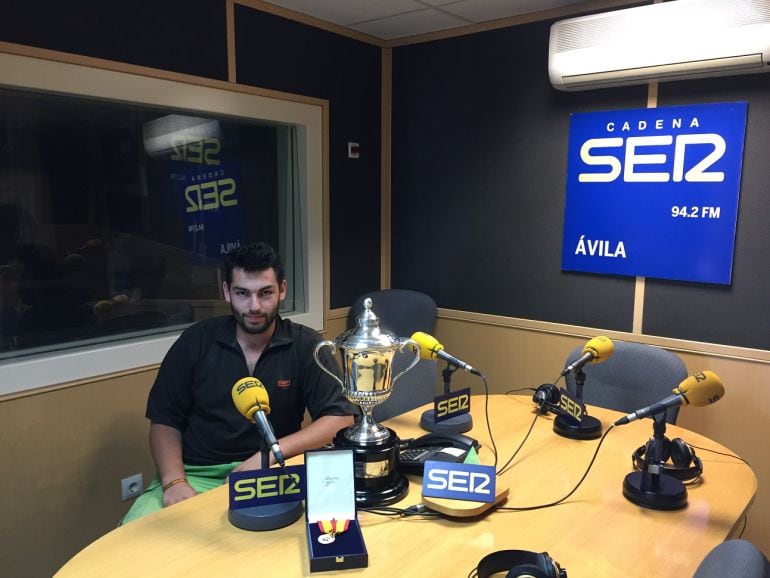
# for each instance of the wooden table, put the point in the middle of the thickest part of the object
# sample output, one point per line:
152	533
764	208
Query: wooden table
595	533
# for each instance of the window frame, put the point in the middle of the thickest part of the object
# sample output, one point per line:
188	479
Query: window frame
187	94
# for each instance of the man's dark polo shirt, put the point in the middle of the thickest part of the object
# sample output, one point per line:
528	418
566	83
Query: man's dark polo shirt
192	392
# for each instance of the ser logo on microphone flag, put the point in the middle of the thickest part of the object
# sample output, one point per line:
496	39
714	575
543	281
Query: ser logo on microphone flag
571	407
452	404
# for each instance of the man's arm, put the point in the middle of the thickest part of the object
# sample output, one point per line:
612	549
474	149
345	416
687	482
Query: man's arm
166	449
312	437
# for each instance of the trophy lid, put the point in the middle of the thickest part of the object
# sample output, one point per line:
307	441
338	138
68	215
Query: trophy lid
367	334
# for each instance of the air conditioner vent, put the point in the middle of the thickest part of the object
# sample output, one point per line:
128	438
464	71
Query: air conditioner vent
682	37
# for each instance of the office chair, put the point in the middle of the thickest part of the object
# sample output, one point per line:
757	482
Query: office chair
403	312
635	376
736	559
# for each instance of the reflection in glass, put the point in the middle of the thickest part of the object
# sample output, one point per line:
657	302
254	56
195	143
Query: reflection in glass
113	218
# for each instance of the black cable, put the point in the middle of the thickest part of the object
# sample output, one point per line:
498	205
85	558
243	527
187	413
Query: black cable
531	427
533	389
572	491
510	391
521	445
486	416
412	511
745	523
720	453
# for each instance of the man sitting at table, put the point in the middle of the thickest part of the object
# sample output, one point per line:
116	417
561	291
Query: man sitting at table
197	436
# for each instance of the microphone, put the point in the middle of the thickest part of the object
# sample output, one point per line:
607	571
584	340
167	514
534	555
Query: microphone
595	350
699	389
251	400
430	348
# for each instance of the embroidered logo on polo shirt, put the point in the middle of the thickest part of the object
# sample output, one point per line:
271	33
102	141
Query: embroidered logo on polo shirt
283	383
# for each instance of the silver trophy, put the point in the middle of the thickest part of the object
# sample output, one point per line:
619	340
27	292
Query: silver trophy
367	353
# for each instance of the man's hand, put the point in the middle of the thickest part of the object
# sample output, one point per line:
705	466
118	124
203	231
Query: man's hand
177	493
166	448
253	463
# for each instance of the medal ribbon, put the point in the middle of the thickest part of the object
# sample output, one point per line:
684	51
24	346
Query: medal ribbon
333	526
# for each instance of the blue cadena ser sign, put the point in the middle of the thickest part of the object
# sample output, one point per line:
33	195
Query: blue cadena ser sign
654	192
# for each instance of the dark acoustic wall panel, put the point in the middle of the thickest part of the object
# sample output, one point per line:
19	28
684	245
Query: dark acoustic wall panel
187	36
479	174
281	54
738	314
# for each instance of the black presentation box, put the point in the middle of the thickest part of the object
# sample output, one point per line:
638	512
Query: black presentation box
331	496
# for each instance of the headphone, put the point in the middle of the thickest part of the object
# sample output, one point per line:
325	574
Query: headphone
520	564
685	465
547	398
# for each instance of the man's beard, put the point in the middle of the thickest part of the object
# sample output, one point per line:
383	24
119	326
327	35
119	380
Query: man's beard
250	328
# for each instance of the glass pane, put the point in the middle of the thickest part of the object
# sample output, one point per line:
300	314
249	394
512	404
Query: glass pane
114	217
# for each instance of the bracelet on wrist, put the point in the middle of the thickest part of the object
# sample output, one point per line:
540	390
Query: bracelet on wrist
167	485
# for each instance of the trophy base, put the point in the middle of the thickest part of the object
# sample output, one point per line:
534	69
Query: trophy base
378	481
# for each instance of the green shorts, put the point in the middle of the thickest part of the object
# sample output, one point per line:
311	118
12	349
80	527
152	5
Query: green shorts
201	478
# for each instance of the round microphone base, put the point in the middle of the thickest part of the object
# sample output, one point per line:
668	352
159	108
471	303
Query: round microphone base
667	494
269	517
456	424
588	429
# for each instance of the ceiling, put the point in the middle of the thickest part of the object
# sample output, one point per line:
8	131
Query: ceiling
392	19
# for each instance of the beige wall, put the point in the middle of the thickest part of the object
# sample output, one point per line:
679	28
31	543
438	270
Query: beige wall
64	452
512	358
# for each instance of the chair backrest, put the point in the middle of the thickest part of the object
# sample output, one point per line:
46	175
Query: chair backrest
403	312
635	376
736	559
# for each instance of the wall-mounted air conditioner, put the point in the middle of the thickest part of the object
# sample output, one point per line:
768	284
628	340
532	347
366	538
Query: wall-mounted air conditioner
667	41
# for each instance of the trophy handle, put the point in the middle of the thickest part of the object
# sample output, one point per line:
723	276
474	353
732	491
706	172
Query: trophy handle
318	348
416	348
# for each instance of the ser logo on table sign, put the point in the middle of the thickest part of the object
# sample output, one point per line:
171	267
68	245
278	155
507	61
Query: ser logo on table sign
459	481
452	404
266	486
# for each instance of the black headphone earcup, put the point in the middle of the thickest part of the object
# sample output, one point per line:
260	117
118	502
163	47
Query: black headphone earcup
520	564
681	454
684	466
648	449
546	396
527	570
542	566
665	453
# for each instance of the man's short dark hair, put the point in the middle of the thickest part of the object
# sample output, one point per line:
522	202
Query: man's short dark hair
252	258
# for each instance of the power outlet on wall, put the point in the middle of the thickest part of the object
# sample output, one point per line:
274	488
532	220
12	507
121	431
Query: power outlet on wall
131	487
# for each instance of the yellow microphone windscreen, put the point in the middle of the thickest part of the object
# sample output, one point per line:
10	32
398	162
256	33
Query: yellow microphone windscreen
249	396
702	388
601	347
429	345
